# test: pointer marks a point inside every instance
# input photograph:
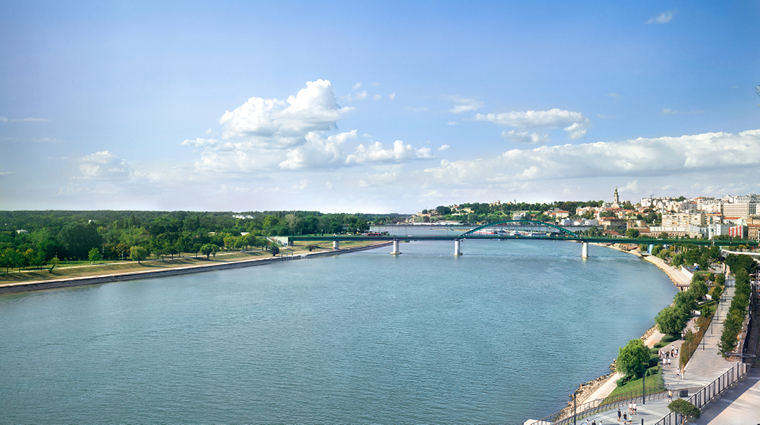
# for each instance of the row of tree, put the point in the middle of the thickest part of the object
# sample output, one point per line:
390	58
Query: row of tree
35	238
742	266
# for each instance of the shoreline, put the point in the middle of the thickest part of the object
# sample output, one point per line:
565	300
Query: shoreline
41	285
595	388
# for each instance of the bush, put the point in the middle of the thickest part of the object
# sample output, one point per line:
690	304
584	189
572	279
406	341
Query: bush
684	408
654	360
716	292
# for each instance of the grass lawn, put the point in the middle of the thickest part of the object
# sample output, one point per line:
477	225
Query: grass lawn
75	269
654	385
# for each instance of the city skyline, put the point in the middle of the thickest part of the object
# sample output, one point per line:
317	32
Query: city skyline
380	108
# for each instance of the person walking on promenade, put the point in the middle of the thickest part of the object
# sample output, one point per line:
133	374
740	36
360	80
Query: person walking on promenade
618	414
625	418
634	407
670	396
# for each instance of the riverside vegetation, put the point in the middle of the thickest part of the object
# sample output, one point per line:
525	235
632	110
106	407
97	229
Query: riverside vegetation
635	360
39	238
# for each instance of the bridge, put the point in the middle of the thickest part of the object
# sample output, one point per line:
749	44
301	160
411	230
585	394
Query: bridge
507	229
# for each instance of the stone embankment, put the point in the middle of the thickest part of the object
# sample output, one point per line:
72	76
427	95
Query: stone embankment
178	271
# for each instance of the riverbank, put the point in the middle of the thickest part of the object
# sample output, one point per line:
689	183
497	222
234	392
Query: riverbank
177	270
602	386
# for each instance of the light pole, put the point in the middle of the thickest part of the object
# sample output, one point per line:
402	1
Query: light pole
644	388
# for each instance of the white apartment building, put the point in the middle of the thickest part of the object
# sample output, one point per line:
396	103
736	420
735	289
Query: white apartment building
683	219
740	209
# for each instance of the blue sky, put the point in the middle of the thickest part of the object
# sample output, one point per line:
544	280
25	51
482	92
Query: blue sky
374	107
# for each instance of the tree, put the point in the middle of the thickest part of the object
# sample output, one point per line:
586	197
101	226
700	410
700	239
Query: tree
54	262
138	253
686	301
671	320
209	249
633	358
663	235
94	255
698	287
632	233
79	238
275	250
683	407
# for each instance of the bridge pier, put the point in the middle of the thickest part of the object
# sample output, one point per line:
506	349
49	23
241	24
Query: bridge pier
456	247
336	245
584	249
395	248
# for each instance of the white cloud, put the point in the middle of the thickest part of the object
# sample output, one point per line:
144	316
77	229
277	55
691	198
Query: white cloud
317	152
574	123
392	96
273	124
675	112
463	105
444	147
4	173
201	143
663	18
356	86
377	97
524	137
103	165
452	123
575	131
375	153
360	95
6	119
632	187
642	157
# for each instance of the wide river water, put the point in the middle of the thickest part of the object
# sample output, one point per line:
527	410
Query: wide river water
499	335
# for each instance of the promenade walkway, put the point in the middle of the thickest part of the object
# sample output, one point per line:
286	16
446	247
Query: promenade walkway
705	366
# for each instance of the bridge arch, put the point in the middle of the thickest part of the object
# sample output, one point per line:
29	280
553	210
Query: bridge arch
533	222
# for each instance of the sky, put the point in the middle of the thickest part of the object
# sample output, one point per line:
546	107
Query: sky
374	107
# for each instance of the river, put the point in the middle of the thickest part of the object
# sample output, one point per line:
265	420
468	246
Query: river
501	334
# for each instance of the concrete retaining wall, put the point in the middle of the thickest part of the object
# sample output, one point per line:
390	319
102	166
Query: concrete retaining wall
110	278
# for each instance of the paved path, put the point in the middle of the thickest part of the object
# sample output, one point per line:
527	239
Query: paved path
738	406
704	367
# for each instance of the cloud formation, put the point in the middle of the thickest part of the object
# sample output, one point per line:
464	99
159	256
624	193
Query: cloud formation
103	165
638	157
463	105
662	18
398	153
574	123
524	137
273	124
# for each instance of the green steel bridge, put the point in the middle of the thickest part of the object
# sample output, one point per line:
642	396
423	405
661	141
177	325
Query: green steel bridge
509	229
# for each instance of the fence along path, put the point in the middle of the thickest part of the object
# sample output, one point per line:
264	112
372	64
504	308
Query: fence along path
709	392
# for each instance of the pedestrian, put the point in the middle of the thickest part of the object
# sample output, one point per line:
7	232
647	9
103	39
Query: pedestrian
618	414
625	418
634	407
630	407
670	396
678	374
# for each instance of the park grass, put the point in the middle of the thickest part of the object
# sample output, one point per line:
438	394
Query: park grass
77	269
655	384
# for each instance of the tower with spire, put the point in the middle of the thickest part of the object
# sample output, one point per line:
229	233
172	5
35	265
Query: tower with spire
616	199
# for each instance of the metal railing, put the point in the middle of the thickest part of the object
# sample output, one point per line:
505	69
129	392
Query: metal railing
709	392
566	416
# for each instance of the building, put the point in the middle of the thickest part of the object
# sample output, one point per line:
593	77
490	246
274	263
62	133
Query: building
753	227
740	209
684	219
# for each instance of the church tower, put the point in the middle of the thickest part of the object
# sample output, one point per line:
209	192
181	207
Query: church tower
616	199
